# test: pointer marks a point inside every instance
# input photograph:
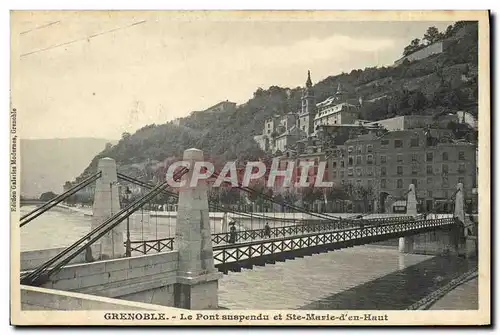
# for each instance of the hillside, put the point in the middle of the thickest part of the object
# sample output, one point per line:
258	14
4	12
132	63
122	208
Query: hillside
47	163
437	84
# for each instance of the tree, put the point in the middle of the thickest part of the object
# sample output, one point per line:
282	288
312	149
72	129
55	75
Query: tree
46	196
311	194
290	197
432	35
412	47
366	194
417	101
449	31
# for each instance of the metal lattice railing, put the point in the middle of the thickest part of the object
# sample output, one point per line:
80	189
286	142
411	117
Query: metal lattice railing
158	245
320	242
311	226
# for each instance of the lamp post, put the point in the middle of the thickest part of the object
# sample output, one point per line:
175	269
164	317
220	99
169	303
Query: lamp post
128	252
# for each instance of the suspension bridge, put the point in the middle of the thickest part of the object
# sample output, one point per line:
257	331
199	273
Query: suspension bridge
183	270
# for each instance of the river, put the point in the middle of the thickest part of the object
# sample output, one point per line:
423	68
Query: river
363	277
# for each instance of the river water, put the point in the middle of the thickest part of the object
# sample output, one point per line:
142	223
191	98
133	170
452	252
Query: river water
363	277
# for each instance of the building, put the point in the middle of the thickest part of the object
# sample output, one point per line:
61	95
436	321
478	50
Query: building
279	124
222	107
284	131
414	121
263	142
333	111
308	108
432	49
288	138
468	118
386	165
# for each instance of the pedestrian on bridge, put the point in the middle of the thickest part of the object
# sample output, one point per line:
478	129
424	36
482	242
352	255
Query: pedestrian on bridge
232	233
267	230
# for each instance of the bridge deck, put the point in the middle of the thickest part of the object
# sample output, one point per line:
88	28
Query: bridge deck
234	257
308	226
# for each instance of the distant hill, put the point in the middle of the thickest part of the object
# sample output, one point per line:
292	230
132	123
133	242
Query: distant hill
441	83
47	163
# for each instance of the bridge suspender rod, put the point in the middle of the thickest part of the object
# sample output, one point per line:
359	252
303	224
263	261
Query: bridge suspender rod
174	195
112	222
250	190
25	219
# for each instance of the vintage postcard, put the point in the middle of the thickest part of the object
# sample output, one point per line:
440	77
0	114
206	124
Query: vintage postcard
250	168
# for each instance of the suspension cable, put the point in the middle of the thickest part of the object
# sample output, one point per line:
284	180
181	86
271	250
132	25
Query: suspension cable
108	224
261	194
175	195
25	219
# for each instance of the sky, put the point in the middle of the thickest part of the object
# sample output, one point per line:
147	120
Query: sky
99	74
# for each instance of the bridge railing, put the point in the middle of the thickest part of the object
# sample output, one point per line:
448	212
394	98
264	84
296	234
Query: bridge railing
310	226
232	257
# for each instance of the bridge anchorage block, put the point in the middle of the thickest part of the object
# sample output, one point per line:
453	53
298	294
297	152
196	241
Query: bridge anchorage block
106	204
197	276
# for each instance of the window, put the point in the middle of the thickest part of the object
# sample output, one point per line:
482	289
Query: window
429	180
400	183
342	174
414	169
461	168
358	182
461	156
400	158
445	169
369	171
370	182
369	148
350	149
384	143
414	157
429	157
398	144
369	159
382	183
351	161
445	156
334	174
429	169
359	149
399	170
334	164
383	171
414	182
383	159
429	194
414	142
342	163
445	181
359	172
358	160
343	181
350	171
